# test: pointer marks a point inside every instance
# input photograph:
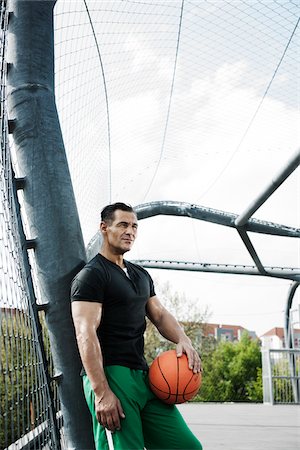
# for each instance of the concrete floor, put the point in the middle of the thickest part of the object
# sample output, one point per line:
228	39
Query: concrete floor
244	426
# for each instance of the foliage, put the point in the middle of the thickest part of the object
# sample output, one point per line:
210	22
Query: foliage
232	372
255	387
23	399
14	377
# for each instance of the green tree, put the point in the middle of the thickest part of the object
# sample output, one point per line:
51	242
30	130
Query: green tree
232	372
255	387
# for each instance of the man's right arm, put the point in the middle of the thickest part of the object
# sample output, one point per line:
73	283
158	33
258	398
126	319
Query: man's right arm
86	317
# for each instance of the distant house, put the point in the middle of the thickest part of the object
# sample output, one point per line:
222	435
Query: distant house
223	332
274	338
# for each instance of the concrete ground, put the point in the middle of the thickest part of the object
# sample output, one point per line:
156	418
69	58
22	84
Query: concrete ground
242	426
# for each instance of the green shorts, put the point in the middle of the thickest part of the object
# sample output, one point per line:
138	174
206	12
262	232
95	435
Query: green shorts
149	423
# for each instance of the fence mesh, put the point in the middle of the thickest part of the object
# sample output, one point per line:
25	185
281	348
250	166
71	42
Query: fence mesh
27	415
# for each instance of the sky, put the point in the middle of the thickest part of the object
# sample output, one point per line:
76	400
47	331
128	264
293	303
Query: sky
203	110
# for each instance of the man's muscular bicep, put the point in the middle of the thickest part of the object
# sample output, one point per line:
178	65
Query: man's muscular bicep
86	316
154	309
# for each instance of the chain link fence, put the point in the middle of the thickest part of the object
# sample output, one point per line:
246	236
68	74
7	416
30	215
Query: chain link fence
29	416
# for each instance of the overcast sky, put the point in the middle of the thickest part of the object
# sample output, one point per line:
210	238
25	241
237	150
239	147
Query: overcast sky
212	127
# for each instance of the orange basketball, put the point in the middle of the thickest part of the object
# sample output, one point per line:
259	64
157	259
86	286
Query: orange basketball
171	380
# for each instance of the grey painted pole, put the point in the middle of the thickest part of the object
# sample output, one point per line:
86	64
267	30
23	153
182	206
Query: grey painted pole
49	199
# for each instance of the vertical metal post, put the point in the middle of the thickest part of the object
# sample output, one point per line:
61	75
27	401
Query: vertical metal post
49	199
270	377
267	376
288	336
289	302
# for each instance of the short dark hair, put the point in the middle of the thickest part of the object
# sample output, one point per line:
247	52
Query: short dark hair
108	213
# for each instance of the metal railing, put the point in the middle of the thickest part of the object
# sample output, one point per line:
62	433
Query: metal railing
281	376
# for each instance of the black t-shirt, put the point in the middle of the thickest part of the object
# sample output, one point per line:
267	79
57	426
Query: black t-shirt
124	298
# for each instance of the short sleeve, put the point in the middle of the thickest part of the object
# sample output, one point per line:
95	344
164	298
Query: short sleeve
152	289
88	286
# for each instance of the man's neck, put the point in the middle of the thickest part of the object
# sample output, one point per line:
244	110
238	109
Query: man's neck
115	258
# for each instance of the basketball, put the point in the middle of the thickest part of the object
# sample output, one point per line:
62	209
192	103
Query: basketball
172	380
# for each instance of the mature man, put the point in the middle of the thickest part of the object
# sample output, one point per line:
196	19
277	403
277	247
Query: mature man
110	299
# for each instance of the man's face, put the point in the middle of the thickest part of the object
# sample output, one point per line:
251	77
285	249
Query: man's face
120	234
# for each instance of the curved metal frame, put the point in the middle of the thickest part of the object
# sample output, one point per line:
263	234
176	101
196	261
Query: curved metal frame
242	223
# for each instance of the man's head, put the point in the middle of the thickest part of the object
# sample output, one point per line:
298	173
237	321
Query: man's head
118	227
108	213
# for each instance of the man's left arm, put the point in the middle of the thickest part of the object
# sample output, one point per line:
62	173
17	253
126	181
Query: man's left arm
170	329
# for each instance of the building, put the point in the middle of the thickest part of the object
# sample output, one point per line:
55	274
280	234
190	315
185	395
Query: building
223	332
274	338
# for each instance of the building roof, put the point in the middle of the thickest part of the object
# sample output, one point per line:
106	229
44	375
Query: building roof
209	328
278	331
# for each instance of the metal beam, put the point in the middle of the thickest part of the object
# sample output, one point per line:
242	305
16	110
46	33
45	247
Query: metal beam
182	209
245	238
268	191
234	269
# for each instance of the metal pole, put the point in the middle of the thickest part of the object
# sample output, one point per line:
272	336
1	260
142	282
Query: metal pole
182	209
49	199
248	244
268	191
238	269
270	377
289	342
288	306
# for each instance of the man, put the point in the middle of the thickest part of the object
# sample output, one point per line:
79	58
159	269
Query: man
110	299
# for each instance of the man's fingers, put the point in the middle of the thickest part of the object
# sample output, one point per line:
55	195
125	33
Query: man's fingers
111	420
109	411
197	365
120	410
194	360
102	419
108	421
116	422
113	423
178	350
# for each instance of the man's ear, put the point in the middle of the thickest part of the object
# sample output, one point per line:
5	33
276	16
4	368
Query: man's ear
103	227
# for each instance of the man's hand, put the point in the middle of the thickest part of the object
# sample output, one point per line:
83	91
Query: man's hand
193	357
109	411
